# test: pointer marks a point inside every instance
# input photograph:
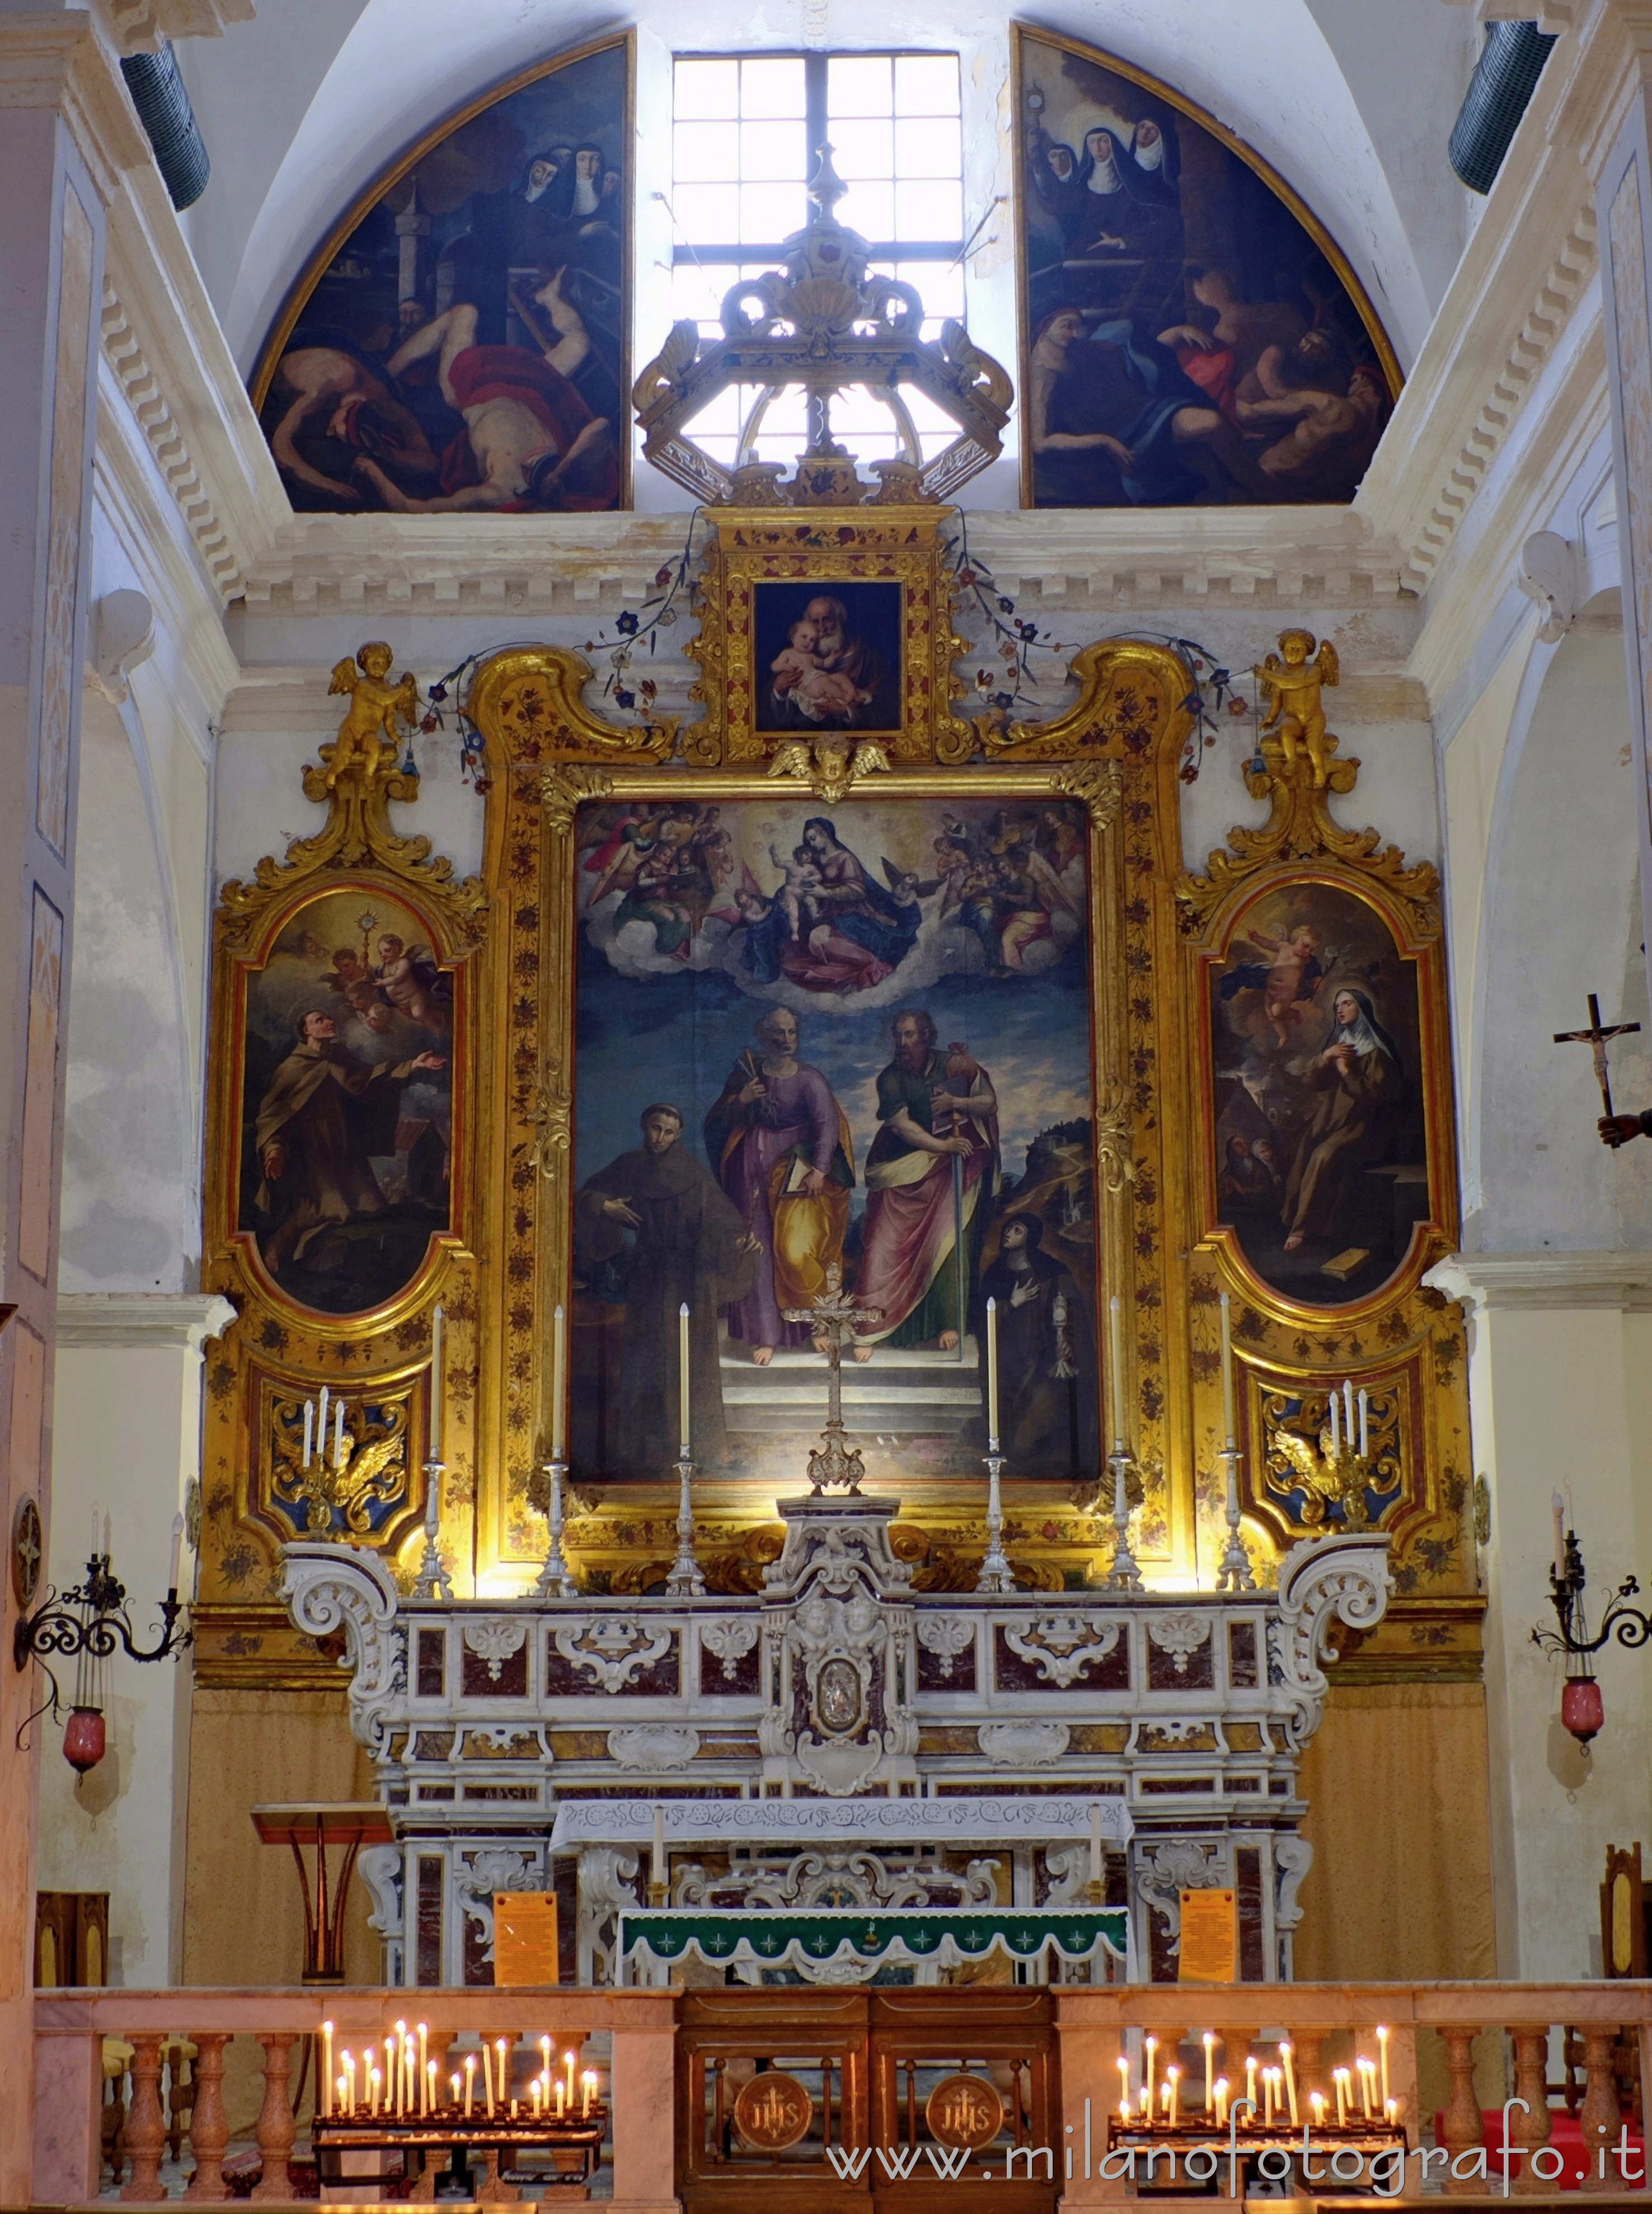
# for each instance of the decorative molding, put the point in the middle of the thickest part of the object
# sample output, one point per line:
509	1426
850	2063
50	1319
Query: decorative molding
965	1820
1023	1745
1549	574
1061	1646
611	1651
151	1322
945	1635
139	25
729	1641
653	1747
329	1588
1180	1636
121	635
1557	1281
528	704
1341	1578
495	1640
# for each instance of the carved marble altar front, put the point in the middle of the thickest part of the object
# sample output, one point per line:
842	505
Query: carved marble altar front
883	1747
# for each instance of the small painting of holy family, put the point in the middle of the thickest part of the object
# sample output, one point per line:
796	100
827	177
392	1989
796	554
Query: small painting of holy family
833	1046
1321	1142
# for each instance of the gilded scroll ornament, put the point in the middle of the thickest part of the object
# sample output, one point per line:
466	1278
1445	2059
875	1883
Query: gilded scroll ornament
1115	1143
1298	771
1097	784
357	777
528	703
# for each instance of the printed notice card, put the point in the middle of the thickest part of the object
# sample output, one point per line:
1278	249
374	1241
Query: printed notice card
524	1937
1210	1951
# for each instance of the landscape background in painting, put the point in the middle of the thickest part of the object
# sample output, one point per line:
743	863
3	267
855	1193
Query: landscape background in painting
349	1221
536	184
1272	1004
1186	341
690	933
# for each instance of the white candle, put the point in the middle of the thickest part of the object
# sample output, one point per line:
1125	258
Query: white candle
1286	2052
533	2095
177	1550
1348	1411
1227	1373
1336	1416
657	1866
349	2082
429	2087
558	1377
1559	1506
1115	1322
320	1422
1095	1841
470	2081
1339	2078
427	2066
501	2073
568	2059
682	1377
337	1434
1124	2086
992	1376
1382	2055
454	2080
309	1430
374	2080
588	2083
1210	2043
436	1384
1365	1431
327	2069
1173	2086
1151	2047
487	2080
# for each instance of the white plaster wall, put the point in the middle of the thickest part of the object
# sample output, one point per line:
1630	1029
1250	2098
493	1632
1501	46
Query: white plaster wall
1562	918
128	1219
126	1442
1533	1373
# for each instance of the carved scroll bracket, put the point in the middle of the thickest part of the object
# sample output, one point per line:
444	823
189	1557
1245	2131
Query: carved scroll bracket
528	704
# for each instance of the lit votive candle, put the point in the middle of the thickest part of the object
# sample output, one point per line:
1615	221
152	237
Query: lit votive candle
349	2083
1250	2077
428	2080
561	2101
327	2069
454	2080
1339	2078
588	2085
501	2073
567	2061
1123	2083
470	2082
1210	2043
1221	2101
532	2096
375	2077
1152	2049
1287	2062
487	2080
1173	2086
1317	2108
1382	2058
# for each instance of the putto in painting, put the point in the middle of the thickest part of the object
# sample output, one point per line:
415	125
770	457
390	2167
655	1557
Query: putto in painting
812	1041
1321	1152
828	660
1187	340
465	344
346	1102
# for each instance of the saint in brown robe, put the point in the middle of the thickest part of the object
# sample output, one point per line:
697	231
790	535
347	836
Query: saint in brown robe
687	1248
314	1109
1357	1078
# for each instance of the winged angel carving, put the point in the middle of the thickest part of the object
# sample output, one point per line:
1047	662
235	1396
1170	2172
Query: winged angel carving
371	734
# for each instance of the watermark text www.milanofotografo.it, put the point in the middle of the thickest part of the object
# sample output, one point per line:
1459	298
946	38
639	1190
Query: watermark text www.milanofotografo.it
1204	2162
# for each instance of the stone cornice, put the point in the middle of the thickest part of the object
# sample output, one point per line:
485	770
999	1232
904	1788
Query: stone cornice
1104	561
139	25
64	61
145	1321
1546	1279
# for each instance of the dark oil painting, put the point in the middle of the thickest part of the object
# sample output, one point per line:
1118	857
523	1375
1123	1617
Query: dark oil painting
1186	341
1321	1156
346	1108
827	657
467	345
846	1043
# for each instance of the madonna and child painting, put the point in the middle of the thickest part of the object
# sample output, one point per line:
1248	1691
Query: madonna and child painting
1187	340
815	1043
466	344
1321	1143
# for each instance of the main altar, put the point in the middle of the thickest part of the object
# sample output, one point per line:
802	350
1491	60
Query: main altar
769	1788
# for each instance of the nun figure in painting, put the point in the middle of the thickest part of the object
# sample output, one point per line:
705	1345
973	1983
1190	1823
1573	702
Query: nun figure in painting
1358	1077
1046	1356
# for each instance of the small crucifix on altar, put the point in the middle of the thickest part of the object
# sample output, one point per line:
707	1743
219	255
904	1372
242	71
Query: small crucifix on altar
1614	1129
833	1318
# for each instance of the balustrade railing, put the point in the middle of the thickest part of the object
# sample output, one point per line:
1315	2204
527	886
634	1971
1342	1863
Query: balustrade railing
1433	2034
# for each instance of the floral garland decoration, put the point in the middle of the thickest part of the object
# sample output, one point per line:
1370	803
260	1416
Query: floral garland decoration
1211	687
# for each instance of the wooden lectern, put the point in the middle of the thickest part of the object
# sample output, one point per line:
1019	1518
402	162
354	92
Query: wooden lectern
353	1826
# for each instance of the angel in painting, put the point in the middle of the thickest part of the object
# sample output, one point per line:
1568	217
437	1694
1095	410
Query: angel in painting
371	732
1289	978
1297	717
408	979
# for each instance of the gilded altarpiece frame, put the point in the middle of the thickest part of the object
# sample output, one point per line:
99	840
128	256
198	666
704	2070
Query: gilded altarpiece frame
507	1261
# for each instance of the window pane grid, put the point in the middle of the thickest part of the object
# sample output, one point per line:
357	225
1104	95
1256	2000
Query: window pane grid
742	143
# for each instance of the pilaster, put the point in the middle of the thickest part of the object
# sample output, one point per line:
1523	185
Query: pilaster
1560	1378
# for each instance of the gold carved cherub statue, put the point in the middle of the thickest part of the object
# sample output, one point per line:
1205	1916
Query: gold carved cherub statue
370	733
1297	720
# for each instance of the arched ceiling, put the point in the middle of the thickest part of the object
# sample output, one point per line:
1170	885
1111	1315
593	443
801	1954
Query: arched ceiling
303	107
